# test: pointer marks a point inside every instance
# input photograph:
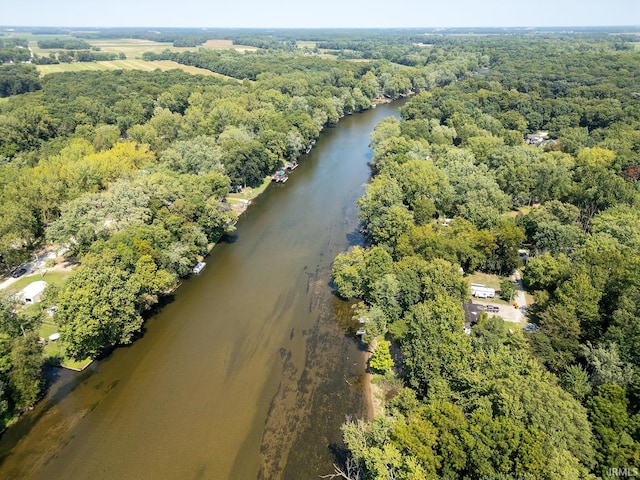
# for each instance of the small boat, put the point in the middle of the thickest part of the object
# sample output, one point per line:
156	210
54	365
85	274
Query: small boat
199	267
361	332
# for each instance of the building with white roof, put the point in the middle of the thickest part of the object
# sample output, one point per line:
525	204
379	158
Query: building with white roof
32	293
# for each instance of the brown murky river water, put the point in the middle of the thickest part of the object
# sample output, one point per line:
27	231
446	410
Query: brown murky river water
248	372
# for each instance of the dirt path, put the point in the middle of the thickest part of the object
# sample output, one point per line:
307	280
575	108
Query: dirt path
519	298
38	265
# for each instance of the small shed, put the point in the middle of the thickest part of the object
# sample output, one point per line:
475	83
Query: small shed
32	293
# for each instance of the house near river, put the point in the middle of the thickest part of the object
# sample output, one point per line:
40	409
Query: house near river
32	293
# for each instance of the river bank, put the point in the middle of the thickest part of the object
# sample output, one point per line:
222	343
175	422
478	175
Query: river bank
240	201
373	392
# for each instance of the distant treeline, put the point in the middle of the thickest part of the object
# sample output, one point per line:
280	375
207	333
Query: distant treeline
14	49
178	37
79	56
13	42
267	43
64	43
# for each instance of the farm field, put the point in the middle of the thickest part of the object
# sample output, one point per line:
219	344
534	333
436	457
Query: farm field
133	48
306	44
123	65
219	44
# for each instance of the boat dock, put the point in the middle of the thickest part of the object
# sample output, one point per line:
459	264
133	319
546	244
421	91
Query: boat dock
279	177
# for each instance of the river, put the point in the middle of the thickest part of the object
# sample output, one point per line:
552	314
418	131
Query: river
248	371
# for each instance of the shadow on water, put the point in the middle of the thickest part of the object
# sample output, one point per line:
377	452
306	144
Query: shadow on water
228	238
355	238
339	452
147	316
61	382
65	382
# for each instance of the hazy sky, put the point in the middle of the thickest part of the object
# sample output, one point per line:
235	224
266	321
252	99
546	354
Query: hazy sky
323	13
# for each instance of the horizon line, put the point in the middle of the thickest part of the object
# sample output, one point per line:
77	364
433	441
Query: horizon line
636	26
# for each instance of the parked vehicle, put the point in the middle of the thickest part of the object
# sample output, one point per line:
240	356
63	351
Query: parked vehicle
18	272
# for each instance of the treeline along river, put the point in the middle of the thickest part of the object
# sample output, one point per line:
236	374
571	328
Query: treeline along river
248	372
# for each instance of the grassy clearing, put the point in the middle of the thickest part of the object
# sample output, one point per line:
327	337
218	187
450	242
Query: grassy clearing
219	44
72	67
133	48
519	211
56	278
77	365
47	328
55	350
491	281
250	193
240	201
124	65
170	65
306	44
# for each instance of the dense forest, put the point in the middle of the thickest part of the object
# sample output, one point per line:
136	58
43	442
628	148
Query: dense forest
131	170
560	400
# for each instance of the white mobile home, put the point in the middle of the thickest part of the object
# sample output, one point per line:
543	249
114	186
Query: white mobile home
32	293
481	291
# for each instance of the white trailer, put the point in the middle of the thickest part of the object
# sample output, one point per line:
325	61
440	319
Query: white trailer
480	291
